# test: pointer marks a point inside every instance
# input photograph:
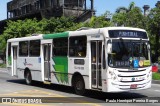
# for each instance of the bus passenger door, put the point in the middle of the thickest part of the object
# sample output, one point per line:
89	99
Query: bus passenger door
14	60
46	53
96	64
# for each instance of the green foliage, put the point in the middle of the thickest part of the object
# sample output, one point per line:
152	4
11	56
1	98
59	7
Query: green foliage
153	27
98	22
22	28
57	25
131	17
159	59
119	19
134	18
17	29
2	65
156	76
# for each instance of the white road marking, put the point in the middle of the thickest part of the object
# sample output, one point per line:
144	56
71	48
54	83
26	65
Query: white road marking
157	90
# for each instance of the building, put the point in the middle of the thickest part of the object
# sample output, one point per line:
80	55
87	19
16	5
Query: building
22	9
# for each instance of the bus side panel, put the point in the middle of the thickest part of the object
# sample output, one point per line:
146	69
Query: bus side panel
59	70
32	63
82	68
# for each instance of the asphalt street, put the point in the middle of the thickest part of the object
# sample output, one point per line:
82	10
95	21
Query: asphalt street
53	95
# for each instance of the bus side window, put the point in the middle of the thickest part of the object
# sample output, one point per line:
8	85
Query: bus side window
77	46
34	48
23	48
60	46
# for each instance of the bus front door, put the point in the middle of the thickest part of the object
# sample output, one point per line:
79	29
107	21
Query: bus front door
46	53
96	64
14	60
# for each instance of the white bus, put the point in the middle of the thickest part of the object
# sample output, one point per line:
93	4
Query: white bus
111	59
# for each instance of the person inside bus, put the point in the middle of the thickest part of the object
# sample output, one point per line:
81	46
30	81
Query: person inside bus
80	51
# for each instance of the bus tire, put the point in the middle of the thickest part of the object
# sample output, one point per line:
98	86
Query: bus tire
28	78
79	85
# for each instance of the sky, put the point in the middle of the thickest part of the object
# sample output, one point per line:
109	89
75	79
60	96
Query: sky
100	5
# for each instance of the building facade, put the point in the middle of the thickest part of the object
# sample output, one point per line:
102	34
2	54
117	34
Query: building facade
19	9
39	9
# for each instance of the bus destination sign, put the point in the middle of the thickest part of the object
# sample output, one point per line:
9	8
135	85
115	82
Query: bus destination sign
127	34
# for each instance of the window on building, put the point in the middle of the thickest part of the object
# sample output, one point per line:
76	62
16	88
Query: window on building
34	48
23	48
77	46
60	46
37	5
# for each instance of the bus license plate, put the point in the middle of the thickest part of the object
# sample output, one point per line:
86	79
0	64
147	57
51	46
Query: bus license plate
133	86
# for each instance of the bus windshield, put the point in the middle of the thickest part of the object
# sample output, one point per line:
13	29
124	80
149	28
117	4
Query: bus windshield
129	53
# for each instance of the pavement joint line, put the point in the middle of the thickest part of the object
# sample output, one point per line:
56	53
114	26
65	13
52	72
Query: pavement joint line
24	95
85	102
19	95
92	104
45	92
31	94
21	104
51	93
157	90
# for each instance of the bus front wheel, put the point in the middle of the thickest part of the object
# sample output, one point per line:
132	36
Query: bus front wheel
79	86
28	78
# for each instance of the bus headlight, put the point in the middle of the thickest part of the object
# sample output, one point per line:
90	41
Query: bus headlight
112	75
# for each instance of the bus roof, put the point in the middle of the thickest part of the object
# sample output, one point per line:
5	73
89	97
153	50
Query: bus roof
85	31
39	36
102	30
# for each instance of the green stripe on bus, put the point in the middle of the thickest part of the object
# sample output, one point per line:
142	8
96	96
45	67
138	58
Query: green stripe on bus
61	66
9	60
55	35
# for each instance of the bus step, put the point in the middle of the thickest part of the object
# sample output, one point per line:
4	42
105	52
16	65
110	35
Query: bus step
47	82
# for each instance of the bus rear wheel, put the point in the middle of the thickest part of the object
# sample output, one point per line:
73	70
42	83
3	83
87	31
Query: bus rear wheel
79	86
28	78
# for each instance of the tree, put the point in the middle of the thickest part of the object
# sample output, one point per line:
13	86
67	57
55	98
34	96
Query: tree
121	10
27	27
55	25
124	9
119	19
131	16
18	28
153	25
135	18
98	22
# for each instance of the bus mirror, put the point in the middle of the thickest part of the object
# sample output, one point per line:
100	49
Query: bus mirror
109	48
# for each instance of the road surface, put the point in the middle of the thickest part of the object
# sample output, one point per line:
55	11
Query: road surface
55	95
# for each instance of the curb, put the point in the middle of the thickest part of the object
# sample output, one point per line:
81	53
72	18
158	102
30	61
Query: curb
155	81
